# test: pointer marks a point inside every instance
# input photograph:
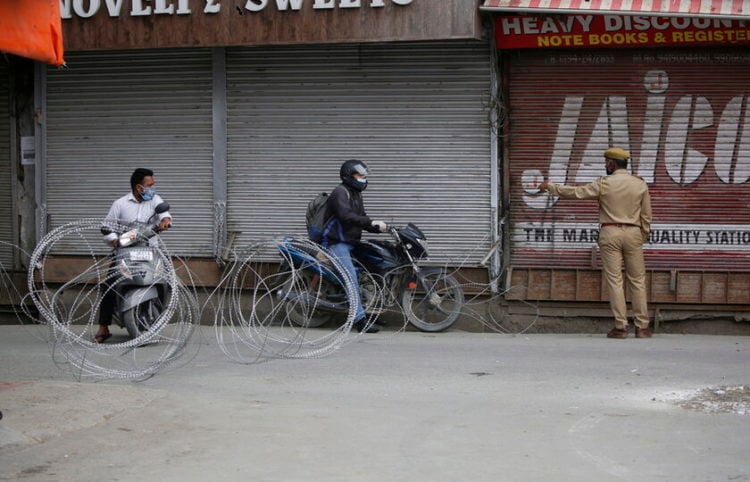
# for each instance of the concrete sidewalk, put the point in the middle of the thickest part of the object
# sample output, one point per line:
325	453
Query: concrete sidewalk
409	406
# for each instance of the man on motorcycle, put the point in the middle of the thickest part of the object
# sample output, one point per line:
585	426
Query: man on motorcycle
138	206
346	211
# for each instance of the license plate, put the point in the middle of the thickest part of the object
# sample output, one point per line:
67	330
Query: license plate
141	255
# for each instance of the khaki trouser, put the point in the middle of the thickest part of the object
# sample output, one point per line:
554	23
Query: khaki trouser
618	244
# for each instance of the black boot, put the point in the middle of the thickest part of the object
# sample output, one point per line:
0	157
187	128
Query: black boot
362	326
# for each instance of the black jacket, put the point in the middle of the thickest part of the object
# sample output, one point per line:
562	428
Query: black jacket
347	215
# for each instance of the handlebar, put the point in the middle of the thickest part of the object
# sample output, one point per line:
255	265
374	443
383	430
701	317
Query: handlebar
145	232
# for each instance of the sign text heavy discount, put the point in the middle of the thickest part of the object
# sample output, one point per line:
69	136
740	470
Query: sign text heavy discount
535	31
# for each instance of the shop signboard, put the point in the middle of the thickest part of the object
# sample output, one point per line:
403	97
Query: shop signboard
124	24
685	117
616	31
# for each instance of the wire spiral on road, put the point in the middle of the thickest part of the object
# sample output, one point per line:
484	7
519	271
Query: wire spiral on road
262	308
263	305
70	308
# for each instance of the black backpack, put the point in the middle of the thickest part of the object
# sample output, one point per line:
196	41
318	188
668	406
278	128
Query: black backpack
316	217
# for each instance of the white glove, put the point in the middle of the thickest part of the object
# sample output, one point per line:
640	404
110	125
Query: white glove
382	227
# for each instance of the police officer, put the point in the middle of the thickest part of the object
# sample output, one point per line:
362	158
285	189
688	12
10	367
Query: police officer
625	218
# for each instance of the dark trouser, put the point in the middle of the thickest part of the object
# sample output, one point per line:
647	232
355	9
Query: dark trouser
109	300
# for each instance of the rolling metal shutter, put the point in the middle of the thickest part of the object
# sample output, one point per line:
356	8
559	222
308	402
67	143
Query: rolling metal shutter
685	117
416	113
6	194
111	112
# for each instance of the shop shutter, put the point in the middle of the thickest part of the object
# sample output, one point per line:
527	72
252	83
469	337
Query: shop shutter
6	196
111	112
685	117
416	113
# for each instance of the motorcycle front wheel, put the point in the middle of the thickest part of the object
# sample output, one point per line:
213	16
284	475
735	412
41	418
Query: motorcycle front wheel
436	301
140	318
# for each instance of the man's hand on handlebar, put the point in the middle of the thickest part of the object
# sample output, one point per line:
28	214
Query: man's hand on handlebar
165	224
382	227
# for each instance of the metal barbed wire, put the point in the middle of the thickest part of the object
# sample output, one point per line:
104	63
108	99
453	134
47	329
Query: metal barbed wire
254	316
267	306
17	301
264	306
70	309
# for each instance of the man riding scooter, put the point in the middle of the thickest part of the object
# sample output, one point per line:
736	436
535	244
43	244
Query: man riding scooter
139	206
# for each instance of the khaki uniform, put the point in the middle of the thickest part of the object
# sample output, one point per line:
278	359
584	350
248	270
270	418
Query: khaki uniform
625	217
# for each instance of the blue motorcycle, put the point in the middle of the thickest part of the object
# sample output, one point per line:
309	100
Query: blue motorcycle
389	275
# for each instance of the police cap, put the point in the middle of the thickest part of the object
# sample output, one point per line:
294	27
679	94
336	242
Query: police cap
617	154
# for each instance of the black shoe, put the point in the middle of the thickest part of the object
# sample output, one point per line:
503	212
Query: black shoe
364	328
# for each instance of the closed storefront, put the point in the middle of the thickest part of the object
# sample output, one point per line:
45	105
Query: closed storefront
243	124
109	113
6	198
417	113
672	91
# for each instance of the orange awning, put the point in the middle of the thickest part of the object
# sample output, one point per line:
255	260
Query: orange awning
33	29
729	9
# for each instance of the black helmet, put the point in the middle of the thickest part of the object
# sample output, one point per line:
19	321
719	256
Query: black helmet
349	169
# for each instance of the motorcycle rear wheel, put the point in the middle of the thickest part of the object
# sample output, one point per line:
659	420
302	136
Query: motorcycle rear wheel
140	318
304	282
435	304
299	311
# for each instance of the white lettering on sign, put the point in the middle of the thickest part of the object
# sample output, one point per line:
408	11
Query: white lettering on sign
696	237
212	6
282	5
684	164
138	8
558	166
141	8
614	23
532	25
732	151
296	5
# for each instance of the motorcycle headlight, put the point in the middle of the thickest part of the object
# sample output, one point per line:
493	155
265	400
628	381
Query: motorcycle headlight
424	244
420	249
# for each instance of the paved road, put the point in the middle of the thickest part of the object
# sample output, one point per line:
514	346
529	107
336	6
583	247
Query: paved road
453	406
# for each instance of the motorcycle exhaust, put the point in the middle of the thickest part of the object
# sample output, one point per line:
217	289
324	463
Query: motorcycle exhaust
309	300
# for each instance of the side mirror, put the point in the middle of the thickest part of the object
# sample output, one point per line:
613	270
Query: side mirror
161	208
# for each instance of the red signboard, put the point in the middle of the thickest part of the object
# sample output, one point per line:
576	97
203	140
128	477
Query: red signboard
685	118
616	31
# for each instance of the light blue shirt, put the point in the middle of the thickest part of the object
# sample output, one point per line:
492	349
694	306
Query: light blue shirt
127	210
